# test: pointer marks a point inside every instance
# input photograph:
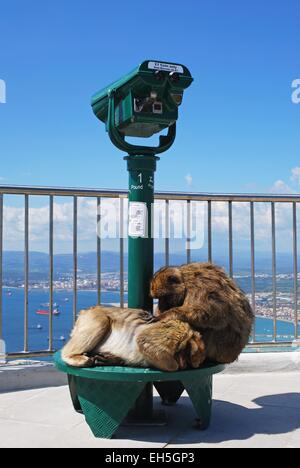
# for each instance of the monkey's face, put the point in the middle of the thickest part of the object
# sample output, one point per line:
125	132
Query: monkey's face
168	287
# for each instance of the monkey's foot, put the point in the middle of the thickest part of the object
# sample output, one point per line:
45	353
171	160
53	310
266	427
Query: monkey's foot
79	360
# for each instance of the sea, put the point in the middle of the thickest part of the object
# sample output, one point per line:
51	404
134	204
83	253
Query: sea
38	325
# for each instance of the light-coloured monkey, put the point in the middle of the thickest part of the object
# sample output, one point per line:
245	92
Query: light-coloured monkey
114	336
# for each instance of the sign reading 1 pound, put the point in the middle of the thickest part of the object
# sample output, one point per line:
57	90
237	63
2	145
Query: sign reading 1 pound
139	185
140	182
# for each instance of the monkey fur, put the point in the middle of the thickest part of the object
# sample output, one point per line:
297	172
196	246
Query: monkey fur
202	295
105	336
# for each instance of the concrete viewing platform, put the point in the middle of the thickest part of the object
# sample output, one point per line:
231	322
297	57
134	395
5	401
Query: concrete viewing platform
251	409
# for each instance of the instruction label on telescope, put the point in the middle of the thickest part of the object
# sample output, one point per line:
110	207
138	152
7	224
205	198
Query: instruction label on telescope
137	219
169	67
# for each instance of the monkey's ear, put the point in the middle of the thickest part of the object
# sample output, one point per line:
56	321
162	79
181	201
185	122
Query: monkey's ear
174	279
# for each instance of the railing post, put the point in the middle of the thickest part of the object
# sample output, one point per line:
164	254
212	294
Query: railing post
121	222
296	288
167	233
274	269
1	267
253	277
98	250
26	271
230	238
75	256
51	272
189	232
209	231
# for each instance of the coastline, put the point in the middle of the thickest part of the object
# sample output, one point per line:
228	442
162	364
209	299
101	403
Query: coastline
290	321
272	319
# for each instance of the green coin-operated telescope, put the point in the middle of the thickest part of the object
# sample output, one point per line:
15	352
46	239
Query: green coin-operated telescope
141	104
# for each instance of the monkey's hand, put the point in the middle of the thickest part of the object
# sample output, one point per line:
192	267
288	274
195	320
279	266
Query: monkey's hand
212	317
194	353
197	351
107	359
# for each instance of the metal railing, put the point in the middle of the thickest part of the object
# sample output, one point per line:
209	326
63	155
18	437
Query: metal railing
99	195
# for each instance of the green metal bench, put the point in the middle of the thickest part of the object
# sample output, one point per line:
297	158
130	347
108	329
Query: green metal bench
105	395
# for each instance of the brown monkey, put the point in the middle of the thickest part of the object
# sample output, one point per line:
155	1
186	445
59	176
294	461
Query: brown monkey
202	295
115	336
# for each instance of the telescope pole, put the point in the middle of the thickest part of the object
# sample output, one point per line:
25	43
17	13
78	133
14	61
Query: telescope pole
141	255
141	243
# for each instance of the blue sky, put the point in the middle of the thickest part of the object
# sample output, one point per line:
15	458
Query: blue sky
238	130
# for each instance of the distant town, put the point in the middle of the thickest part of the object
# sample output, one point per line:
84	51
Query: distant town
110	282
285	306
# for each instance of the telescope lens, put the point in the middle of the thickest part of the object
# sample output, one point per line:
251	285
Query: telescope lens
159	75
174	77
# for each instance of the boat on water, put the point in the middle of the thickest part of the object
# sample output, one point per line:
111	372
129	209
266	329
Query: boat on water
47	312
